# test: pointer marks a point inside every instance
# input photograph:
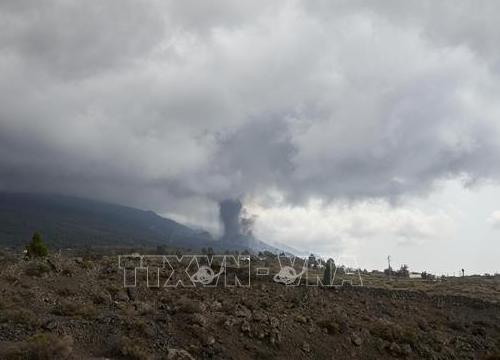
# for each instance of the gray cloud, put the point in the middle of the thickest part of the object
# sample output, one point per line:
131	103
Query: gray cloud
155	103
71	39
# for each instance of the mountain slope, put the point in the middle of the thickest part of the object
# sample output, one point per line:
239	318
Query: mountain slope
68	221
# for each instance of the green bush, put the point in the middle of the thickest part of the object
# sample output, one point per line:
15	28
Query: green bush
36	248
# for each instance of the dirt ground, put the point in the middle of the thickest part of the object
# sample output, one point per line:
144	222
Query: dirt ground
77	308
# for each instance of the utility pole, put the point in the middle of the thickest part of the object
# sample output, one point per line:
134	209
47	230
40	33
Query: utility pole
389	263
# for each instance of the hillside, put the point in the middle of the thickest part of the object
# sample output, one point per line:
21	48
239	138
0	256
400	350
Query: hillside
66	221
72	222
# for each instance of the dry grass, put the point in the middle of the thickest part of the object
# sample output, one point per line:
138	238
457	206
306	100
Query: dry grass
19	316
131	349
42	346
68	308
36	269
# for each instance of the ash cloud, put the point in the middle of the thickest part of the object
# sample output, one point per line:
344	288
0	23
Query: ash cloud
235	220
230	211
154	104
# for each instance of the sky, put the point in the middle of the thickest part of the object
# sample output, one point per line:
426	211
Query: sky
356	128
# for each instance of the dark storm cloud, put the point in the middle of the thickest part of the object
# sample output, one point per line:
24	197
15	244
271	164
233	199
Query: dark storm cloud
157	103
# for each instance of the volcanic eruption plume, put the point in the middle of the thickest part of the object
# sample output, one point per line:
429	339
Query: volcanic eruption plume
236	223
230	212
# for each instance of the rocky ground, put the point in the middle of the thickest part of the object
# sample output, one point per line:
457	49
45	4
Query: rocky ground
77	308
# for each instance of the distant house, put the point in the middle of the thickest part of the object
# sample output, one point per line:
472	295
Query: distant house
415	275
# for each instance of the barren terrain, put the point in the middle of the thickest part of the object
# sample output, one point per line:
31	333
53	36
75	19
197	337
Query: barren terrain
70	307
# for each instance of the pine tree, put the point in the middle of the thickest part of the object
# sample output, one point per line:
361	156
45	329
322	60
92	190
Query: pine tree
328	273
36	248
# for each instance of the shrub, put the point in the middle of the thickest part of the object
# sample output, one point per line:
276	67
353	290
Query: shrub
42	346
328	273
392	332
36	269
12	273
87	264
67	308
12	351
19	316
49	346
36	248
133	350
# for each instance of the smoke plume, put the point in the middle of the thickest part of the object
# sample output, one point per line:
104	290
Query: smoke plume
235	219
230	215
